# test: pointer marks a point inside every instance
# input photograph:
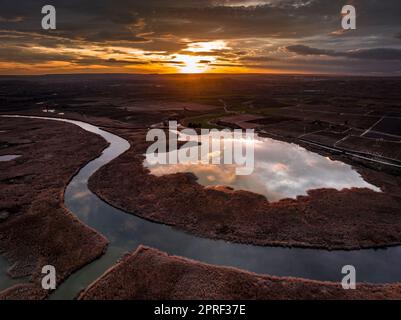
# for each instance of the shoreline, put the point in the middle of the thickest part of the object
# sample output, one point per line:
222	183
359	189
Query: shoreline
31	236
199	217
151	274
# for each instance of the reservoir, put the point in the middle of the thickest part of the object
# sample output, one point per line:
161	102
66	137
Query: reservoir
281	170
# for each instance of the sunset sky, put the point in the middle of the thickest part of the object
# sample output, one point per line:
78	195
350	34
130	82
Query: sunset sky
195	36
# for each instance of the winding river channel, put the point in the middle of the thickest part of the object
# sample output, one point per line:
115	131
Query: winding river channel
126	231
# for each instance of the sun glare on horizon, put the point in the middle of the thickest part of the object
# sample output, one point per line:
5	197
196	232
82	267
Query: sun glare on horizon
199	56
192	64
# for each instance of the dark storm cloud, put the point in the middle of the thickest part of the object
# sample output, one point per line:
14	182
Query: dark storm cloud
305	50
322	66
166	26
369	54
258	59
236	22
11	19
124	19
88	61
375	54
26	55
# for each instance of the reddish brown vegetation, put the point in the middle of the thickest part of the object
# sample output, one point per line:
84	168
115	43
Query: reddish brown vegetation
38	230
151	274
347	219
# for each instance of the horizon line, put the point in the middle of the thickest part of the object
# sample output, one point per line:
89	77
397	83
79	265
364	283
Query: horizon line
202	74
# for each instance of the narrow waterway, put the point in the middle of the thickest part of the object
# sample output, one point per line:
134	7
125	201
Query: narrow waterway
5	280
9	157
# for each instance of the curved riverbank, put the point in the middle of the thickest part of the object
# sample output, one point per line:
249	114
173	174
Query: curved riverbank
36	228
149	274
330	219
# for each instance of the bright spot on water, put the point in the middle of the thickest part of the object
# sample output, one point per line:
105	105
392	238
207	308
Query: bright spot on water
9	157
282	170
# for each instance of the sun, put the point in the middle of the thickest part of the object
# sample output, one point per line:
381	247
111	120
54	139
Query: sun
199	57
191	64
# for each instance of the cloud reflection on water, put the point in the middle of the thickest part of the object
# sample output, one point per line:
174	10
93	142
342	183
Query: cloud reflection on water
282	170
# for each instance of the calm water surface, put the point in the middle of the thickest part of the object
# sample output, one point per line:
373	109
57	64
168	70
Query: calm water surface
281	170
9	157
5	280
